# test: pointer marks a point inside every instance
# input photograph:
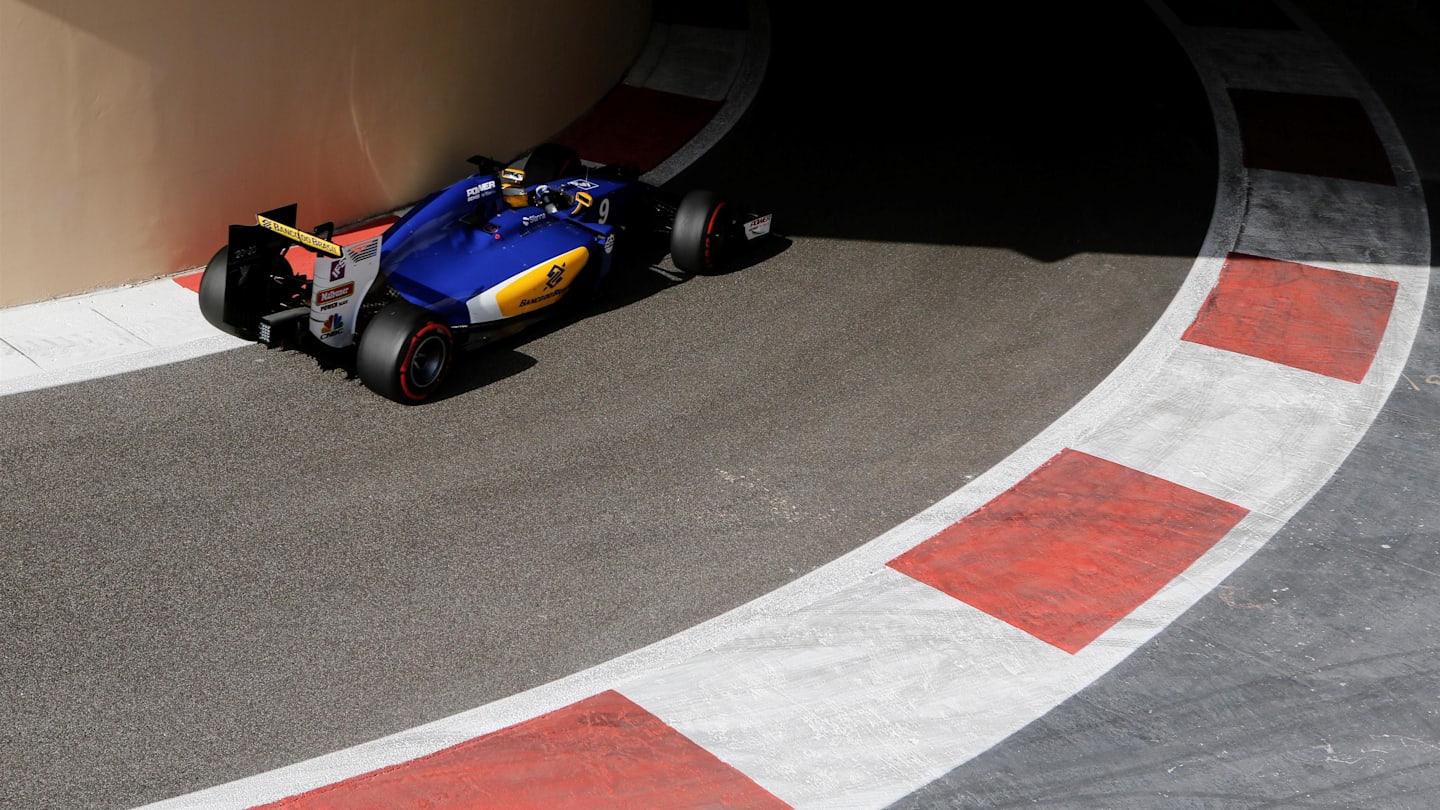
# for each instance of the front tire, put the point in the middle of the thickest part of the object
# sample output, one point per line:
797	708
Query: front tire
702	238
405	354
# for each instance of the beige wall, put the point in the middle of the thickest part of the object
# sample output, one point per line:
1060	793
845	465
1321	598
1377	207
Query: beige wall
133	132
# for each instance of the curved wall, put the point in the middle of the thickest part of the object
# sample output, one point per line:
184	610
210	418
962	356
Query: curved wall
132	134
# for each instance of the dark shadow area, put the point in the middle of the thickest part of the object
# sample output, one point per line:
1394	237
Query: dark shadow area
481	367
1395	44
1048	134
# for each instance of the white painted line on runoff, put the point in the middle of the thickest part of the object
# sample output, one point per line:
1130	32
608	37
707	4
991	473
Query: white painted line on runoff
854	700
86	337
1342	224
690	61
1290	61
742	83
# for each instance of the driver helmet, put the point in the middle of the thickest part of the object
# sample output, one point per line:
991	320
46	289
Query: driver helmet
512	188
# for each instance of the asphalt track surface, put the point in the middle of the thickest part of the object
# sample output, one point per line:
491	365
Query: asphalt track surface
226	565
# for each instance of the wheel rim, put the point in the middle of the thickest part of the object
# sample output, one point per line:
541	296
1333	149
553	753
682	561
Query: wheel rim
427	361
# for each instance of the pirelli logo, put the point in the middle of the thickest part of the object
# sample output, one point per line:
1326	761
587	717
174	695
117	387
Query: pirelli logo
300	237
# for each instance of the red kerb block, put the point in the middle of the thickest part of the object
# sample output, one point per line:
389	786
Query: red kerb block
602	752
1073	548
1305	317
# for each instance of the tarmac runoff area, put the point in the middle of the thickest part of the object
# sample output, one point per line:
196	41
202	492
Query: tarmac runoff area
877	674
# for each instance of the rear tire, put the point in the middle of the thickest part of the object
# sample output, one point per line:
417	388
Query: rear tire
405	354
212	296
701	240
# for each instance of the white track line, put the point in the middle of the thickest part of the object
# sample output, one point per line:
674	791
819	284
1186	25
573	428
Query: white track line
87	337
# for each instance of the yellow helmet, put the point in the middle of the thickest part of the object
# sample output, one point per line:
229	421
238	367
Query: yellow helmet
512	187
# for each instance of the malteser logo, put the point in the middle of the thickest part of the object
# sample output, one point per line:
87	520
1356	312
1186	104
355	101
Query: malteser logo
335	293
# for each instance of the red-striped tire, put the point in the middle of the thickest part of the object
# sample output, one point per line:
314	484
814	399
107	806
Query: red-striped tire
702	238
404	354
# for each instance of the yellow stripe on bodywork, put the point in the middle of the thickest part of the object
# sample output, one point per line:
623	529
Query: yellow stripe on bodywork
541	285
300	237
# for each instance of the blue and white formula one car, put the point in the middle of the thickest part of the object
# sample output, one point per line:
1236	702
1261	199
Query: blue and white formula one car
479	259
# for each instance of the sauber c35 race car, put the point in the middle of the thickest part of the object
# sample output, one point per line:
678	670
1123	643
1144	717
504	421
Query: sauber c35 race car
477	260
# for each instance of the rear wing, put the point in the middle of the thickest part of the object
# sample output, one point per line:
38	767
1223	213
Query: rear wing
258	281
317	242
263	293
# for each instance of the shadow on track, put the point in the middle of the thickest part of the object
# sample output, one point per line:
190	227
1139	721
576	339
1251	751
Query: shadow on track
1011	128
